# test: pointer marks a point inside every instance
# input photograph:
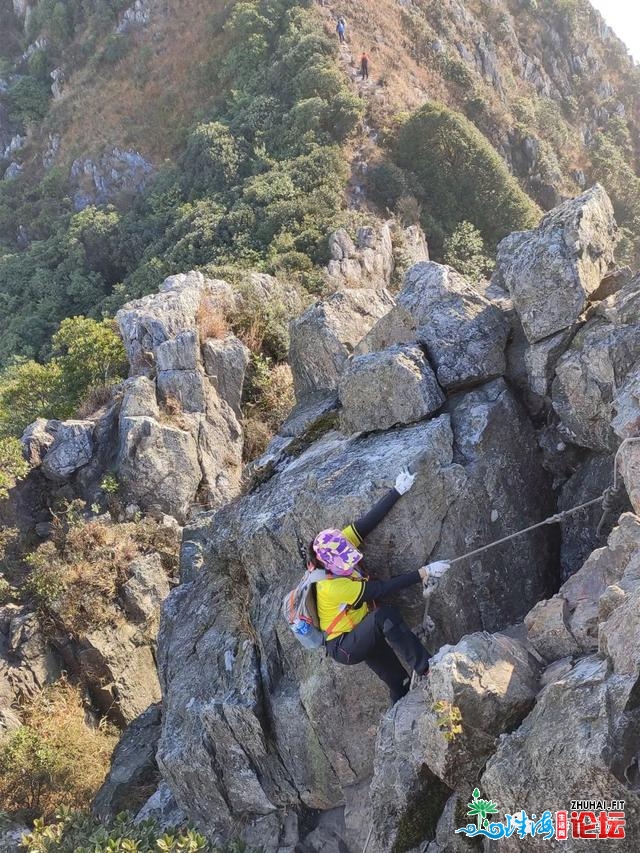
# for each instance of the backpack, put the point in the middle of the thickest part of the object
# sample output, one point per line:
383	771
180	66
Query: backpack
300	611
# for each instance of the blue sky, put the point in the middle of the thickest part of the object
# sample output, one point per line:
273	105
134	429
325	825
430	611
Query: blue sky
623	16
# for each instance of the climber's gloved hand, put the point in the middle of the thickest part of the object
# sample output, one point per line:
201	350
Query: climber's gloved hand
404	481
434	571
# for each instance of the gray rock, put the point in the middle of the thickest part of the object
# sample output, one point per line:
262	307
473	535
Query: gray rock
158	466
551	271
136	16
179	353
463	333
548	630
630	470
11	836
492	681
367	262
396	327
626	406
139	399
72	448
148	322
225	363
308	412
117	171
395	386
163	809
323	338
594	369
37	439
134	770
27	663
585	729
146	589
187	388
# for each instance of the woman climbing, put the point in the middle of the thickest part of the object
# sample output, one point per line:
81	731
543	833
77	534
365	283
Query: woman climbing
356	630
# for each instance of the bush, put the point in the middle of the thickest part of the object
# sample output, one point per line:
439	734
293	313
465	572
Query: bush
464	250
28	101
460	176
77	832
13	466
54	759
388	184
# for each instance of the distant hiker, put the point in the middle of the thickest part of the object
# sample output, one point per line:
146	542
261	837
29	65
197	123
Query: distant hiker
356	629
364	66
341	29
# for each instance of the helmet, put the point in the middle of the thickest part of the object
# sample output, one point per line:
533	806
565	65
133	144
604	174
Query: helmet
336	553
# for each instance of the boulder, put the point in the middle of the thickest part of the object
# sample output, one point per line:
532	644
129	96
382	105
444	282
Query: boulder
552	270
179	353
396	327
595	367
323	338
162	808
496	447
630	470
146	589
548	630
184	388
72	448
27	663
626	406
139	399
395	386
134	771
582	735
37	440
463	333
490	682
366	262
158	466
225	363
147	323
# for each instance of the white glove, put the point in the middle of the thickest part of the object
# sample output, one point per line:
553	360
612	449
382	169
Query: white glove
434	571
404	481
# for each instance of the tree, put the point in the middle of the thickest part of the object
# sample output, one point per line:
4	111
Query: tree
13	466
464	250
28	390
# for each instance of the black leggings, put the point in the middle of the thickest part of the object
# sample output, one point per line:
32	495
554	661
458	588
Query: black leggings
377	641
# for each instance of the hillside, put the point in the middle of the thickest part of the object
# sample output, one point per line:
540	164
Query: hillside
241	289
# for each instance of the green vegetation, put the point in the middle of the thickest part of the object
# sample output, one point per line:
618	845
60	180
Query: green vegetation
457	175
260	184
465	251
13	466
77	832
88	356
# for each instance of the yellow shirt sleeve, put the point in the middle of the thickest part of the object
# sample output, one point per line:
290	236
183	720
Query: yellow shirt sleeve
349	533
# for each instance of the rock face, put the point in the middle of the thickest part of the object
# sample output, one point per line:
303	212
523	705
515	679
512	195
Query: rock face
551	271
101	181
323	338
463	333
71	449
27	665
367	262
225	363
594	369
392	387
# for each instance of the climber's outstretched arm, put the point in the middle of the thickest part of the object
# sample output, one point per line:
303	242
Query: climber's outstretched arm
358	530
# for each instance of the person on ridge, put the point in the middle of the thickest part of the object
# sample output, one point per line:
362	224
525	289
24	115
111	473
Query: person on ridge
341	29
357	630
364	66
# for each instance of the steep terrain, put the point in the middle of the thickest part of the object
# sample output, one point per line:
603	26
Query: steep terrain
297	265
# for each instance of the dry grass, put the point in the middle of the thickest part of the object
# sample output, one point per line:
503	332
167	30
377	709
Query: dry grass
95	399
257	435
65	761
211	321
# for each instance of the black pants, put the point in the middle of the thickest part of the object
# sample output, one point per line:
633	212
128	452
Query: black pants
375	641
364	70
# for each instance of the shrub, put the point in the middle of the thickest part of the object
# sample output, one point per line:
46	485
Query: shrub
460	176
28	101
13	466
211	321
55	759
388	184
268	399
464	250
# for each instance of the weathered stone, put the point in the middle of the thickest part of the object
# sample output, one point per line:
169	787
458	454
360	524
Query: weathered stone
11	838
619	635
225	363
552	270
163	809
582	735
158	466
139	399
146	588
367	262
463	333
179	353
391	387
630	470
148	322
396	327
547	629
323	338
496	446
99	181
185	387
309	412
134	771
593	370
72	448
37	439
27	664
626	406
492	682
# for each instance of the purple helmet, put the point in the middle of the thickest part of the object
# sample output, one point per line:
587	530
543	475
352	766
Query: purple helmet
336	553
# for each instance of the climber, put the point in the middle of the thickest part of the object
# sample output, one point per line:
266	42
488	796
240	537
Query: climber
356	629
364	66
341	28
